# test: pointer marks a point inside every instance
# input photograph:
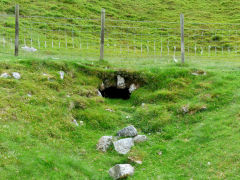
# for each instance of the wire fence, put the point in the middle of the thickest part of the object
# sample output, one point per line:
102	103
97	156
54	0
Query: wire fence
125	40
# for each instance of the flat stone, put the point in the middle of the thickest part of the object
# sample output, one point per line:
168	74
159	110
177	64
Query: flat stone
104	143
139	138
121	171
123	146
129	131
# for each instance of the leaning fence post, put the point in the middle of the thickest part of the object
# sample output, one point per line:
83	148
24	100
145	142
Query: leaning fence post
16	29
102	34
182	38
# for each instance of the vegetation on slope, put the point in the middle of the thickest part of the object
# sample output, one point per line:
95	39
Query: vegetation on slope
38	139
86	32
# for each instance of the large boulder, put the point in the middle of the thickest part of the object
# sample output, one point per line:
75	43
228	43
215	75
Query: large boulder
123	146
139	138
104	143
121	171
129	131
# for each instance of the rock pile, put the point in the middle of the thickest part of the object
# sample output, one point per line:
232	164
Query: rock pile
129	137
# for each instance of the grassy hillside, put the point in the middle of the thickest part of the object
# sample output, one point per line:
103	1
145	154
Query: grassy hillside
84	34
163	10
38	139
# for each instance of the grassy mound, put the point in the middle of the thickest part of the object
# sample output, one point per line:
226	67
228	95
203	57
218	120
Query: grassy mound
38	139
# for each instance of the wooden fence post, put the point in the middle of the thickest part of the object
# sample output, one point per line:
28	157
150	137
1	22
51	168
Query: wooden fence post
16	29
182	38
102	34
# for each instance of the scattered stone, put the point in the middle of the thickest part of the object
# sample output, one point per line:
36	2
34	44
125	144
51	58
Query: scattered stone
198	73
139	138
68	96
133	159
129	131
104	143
132	88
209	163
120	171
99	93
143	104
29	49
5	75
81	123
61	74
185	109
160	153
123	146
29	95
127	117
102	87
120	82
203	108
16	75
75	122
110	110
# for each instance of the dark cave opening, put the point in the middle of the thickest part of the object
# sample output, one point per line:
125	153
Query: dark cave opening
116	93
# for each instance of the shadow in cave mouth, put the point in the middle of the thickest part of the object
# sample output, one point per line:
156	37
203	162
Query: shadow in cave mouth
115	93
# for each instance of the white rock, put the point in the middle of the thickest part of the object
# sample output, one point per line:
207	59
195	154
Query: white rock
143	104
120	82
5	75
29	95
104	143
132	88
29	49
16	75
61	74
81	123
139	138
129	131
75	122
120	171
123	146
99	93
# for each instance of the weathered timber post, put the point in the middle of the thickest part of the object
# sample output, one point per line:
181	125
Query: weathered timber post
182	38
16	29
102	34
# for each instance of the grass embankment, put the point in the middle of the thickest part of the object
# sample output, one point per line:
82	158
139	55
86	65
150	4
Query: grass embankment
83	35
38	139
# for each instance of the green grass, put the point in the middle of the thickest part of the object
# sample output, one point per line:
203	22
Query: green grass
82	36
39	141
